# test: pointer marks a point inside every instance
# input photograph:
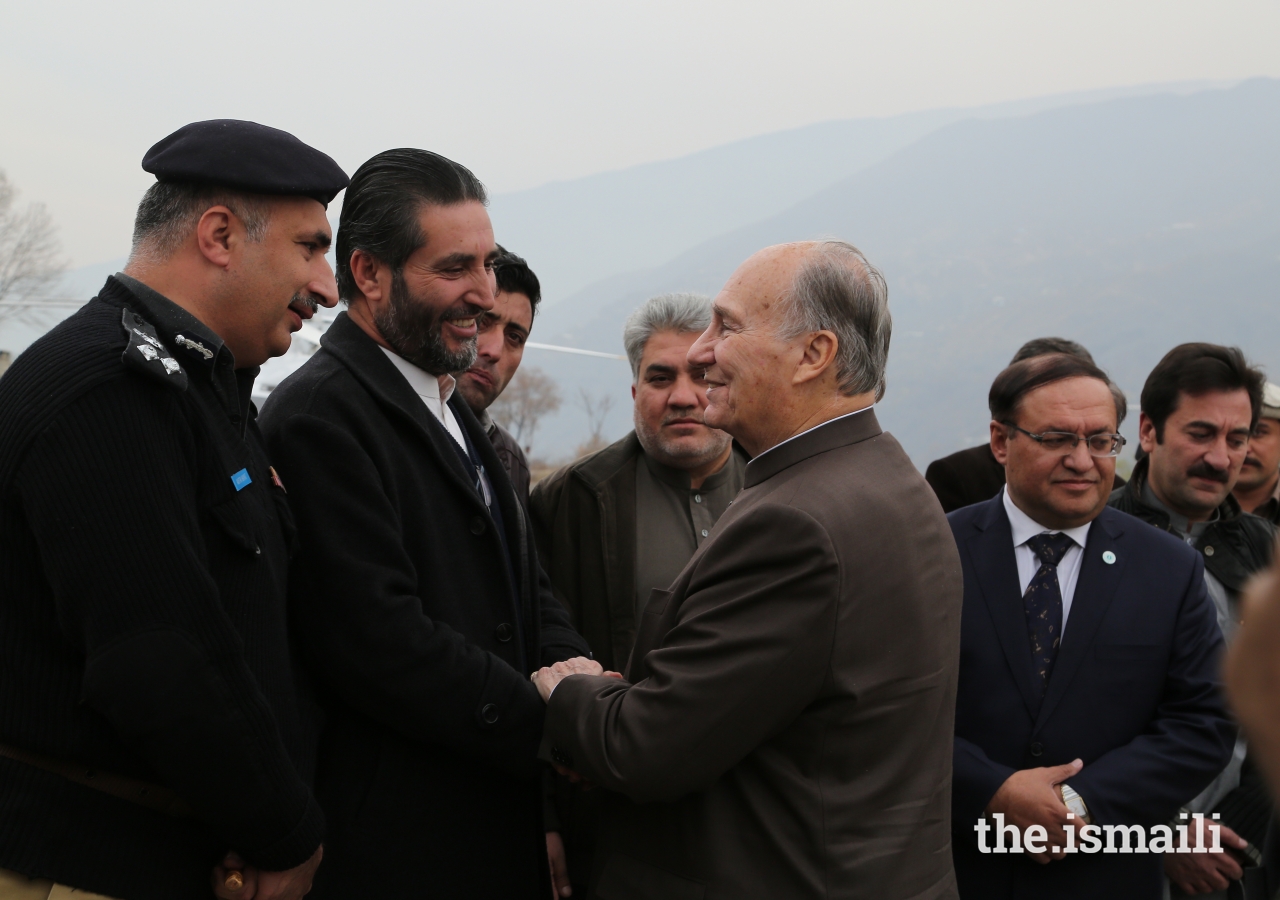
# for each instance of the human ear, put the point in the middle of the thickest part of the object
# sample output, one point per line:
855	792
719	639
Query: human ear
1146	433
214	235
368	274
818	356
999	442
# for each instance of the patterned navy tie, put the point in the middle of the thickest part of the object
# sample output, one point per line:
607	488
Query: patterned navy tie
1043	603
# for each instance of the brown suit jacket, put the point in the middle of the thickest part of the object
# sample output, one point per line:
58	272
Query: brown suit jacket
786	726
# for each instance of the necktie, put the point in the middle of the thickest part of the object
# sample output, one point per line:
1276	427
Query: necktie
1043	603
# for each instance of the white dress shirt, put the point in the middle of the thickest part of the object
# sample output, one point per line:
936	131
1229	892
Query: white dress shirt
434	391
1024	528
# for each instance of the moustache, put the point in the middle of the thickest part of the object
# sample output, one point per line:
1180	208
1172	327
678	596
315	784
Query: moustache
1250	461
311	301
462	311
1204	470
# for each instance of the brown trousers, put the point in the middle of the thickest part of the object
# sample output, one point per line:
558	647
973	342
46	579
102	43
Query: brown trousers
21	887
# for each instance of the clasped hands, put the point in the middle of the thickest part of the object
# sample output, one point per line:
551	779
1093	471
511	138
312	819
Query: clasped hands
1033	797
546	678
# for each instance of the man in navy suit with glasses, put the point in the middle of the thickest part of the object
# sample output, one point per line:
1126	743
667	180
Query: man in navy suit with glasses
1089	687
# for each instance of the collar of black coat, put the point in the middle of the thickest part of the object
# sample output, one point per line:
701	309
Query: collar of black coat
838	432
195	344
364	358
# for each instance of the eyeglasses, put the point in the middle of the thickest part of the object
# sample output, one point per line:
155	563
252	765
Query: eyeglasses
1100	445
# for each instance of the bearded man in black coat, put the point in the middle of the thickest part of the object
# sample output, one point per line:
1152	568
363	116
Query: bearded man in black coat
417	599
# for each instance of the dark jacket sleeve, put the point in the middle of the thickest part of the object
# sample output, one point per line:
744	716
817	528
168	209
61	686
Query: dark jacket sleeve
360	619
975	778
111	500
545	501
559	640
947	484
1187	743
750	649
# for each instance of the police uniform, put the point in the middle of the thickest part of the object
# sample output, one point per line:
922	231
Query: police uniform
150	714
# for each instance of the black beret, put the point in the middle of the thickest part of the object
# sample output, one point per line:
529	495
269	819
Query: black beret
246	156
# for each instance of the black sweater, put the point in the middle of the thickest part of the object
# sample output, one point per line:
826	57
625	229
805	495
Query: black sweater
142	610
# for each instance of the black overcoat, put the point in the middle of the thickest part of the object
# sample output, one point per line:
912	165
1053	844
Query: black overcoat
404	609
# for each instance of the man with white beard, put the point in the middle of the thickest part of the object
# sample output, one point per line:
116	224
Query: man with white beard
616	524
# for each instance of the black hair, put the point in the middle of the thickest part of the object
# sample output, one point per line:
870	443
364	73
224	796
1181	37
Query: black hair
1196	369
1043	346
381	207
1024	376
515	277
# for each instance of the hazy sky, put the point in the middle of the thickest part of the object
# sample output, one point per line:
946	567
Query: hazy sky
525	93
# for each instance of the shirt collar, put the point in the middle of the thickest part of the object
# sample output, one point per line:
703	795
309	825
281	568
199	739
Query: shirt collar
436	388
1024	527
815	428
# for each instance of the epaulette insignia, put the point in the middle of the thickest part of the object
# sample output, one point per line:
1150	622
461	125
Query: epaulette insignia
147	354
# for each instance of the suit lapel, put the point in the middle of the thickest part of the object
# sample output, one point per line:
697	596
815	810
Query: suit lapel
996	569
1095	589
370	366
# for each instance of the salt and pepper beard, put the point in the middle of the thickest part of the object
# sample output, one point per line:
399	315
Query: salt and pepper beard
680	455
415	331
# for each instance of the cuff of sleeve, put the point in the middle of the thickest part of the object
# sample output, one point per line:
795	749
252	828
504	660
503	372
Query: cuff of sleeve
295	847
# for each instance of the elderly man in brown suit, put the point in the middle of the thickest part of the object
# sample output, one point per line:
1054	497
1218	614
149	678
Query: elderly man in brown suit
783	728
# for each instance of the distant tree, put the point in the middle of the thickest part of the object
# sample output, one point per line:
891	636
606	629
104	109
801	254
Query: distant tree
597	407
531	395
30	263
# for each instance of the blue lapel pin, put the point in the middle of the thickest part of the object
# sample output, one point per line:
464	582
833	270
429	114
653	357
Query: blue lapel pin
1108	557
241	480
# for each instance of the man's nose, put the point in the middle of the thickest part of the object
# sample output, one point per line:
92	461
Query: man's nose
1079	459
702	353
684	395
483	293
324	286
489	343
1219	455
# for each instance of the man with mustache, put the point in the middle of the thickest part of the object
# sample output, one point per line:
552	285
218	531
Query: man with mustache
1258	487
619	523
1200	404
418	602
150	717
502	333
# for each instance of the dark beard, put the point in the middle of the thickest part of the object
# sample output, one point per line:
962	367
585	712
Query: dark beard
415	332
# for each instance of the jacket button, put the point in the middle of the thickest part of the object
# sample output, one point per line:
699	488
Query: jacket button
504	632
1208	551
489	713
562	757
1037	749
257	551
477	525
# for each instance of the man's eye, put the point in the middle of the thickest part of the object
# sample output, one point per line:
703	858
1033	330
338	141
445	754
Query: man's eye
1056	441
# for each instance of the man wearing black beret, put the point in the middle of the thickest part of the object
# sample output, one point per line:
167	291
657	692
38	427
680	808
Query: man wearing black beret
152	731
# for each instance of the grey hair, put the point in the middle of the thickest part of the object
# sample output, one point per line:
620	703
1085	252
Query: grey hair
169	211
837	290
681	313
